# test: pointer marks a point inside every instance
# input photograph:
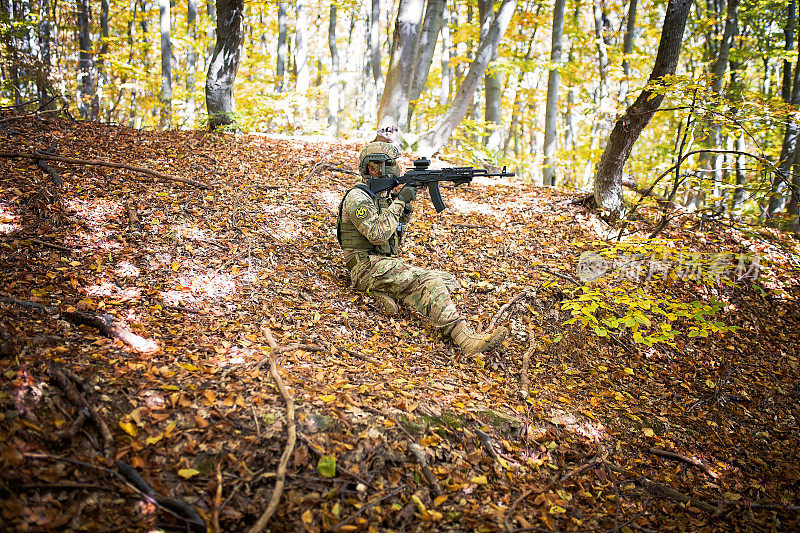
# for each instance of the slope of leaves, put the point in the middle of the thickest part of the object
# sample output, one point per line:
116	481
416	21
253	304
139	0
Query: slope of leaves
611	434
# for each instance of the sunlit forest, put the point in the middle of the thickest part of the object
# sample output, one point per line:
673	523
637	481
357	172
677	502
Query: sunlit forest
593	325
320	69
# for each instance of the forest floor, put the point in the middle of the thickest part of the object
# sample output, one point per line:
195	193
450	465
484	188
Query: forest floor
167	415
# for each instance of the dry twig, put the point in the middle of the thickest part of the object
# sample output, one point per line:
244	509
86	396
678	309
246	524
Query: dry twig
504	307
416	452
685	459
524	383
100	163
262	522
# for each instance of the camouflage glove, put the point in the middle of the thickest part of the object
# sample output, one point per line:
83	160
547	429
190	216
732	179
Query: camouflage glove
407	194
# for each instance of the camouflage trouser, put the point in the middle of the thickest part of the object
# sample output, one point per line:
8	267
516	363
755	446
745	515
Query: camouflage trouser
423	290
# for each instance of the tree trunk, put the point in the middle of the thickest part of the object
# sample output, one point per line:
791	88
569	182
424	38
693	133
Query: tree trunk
224	63
165	25
782	176
627	50
43	80
718	73
551	108
608	179
375	44
190	115
211	10
301	48
393	110
492	84
433	141
333	83
788	32
602	53
280	67
87	100
431	26
447	55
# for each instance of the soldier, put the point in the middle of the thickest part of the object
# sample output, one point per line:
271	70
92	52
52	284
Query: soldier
370	229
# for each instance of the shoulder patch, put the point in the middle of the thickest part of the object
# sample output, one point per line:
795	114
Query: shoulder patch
361	212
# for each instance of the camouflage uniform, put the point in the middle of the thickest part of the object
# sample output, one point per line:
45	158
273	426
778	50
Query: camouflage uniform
372	270
370	229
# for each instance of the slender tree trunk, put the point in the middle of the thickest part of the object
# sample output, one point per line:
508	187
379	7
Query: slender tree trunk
333	87
788	33
551	108
435	139
280	68
165	26
224	63
43	79
190	114
211	11
431	26
718	74
447	55
393	109
602	52
782	176
627	50
608	179
86	96
301	48
375	44
492	84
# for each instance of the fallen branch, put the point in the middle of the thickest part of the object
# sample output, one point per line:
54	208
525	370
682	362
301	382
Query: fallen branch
79	401
280	480
217	500
416	452
660	490
685	459
179	508
100	163
106	325
504	307
48	244
524	383
195	521
31	115
370	505
72	430
47	169
559	275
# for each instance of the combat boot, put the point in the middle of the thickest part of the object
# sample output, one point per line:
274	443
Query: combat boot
473	344
386	304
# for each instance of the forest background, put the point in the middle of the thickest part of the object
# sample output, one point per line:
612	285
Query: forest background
542	99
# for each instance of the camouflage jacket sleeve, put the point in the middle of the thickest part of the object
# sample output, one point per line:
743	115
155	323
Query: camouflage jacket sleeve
376	227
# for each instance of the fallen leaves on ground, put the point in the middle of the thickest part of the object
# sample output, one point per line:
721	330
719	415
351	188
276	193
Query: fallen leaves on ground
201	272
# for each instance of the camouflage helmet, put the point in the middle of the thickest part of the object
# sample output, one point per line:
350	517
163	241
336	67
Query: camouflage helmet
382	154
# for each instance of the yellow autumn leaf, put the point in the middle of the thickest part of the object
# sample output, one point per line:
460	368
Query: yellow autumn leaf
175	266
439	500
628	370
648	432
129	428
479	480
307	517
188	472
557	509
327	398
153	440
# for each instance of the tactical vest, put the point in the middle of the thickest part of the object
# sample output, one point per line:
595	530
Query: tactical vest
351	239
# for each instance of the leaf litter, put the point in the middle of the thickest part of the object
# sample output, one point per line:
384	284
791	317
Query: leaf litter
395	429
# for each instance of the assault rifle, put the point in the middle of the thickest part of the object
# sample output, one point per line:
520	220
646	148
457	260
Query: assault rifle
422	176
